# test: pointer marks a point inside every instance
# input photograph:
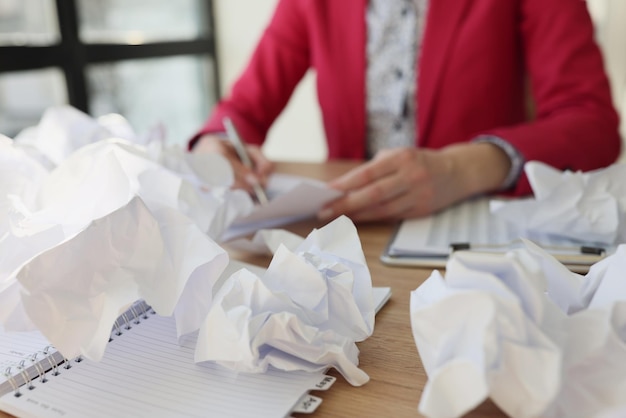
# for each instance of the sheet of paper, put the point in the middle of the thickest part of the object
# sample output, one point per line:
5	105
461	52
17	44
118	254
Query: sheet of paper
433	238
467	222
292	198
523	330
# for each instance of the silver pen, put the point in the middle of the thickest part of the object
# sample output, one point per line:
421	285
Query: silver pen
240	149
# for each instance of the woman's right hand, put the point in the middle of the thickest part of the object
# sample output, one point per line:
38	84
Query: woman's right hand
245	178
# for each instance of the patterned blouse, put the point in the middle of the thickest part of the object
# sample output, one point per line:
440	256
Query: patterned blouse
395	30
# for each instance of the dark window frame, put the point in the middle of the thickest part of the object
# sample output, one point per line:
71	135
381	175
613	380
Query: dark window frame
73	56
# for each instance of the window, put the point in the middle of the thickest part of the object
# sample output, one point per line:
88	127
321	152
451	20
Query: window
152	61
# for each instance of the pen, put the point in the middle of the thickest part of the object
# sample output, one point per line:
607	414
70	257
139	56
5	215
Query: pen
235	140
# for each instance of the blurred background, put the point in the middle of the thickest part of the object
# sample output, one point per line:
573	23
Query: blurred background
166	62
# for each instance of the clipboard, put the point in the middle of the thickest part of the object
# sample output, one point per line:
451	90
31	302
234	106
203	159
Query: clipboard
469	226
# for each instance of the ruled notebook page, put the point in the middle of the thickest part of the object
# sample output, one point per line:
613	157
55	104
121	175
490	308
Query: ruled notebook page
470	221
427	242
145	372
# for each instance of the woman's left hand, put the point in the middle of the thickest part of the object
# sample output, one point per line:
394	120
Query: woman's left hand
404	183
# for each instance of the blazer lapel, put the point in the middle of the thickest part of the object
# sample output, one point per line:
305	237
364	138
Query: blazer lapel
443	20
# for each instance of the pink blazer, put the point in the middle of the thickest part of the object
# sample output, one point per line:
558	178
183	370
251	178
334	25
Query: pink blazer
479	60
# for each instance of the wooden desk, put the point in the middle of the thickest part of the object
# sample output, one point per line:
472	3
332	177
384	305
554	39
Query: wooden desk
389	356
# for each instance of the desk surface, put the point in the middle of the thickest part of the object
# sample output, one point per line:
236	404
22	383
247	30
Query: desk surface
389	356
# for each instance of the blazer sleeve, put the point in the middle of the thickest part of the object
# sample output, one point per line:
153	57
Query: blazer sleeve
575	125
280	60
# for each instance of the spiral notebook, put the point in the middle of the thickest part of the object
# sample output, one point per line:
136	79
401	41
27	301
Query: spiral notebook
147	371
23	357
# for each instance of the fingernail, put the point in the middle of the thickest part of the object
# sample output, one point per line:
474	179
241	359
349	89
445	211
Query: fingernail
325	213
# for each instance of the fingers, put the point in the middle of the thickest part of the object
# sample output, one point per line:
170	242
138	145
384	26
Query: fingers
363	175
369	189
372	195
245	178
370	205
262	166
396	209
398	183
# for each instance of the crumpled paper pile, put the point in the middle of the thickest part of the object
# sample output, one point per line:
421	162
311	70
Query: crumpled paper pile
94	217
523	330
103	223
305	313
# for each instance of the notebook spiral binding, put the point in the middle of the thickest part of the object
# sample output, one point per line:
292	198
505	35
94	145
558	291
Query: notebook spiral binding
48	361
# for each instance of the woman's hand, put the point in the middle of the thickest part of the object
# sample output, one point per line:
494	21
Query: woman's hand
404	183
244	177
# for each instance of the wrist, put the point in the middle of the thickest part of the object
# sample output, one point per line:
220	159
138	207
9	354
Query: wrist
515	158
478	167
